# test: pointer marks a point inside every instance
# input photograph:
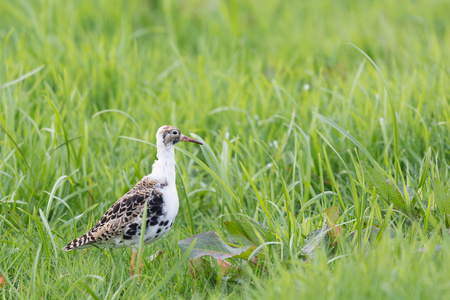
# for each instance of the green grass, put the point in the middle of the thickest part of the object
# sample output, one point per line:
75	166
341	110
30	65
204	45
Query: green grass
288	109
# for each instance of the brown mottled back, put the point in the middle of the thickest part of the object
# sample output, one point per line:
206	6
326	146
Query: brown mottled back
129	207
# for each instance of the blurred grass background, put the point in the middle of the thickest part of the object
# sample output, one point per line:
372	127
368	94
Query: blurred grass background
78	79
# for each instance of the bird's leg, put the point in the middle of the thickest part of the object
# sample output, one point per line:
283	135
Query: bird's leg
132	264
133	267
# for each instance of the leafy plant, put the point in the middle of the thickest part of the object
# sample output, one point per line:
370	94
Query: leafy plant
244	237
442	200
321	237
376	179
210	244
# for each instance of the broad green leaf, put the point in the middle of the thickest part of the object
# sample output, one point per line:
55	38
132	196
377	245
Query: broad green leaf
246	254
11	217
376	179
332	214
441	198
246	232
210	244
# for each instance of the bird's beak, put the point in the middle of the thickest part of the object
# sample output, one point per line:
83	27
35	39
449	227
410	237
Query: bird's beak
188	139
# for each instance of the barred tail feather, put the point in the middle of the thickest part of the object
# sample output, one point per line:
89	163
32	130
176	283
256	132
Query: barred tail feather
82	242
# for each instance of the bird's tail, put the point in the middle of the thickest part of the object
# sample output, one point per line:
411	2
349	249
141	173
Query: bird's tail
82	242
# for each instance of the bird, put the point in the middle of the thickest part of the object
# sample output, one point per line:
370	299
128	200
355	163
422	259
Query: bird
121	225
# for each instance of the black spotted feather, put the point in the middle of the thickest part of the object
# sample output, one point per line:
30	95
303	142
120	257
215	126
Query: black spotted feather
118	221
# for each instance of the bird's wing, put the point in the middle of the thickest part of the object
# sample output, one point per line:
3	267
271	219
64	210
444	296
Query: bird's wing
122	213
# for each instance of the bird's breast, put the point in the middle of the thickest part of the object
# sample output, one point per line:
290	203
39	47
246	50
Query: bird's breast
171	204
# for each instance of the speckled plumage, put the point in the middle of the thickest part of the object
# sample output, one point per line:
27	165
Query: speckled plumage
121	225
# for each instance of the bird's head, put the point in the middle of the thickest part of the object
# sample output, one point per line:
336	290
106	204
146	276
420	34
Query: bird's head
169	135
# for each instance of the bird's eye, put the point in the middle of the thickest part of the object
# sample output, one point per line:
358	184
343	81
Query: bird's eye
175	132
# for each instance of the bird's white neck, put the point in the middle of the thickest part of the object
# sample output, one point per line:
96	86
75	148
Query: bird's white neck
163	169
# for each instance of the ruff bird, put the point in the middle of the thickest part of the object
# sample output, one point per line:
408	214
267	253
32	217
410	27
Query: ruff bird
121	225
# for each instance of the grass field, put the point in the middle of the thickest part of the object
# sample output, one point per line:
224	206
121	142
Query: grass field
298	103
